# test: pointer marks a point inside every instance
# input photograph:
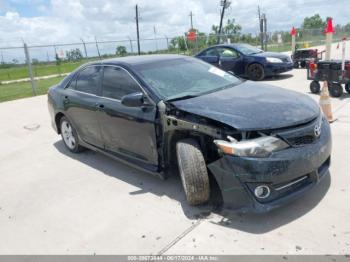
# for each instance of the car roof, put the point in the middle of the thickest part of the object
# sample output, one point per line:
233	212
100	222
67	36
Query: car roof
230	45
137	60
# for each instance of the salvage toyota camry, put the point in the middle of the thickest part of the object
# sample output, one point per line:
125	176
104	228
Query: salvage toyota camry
262	145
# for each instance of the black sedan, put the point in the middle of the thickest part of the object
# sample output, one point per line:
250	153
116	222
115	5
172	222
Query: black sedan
246	60
261	145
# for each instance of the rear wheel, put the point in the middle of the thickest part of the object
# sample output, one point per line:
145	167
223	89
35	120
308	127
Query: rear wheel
315	87
69	136
193	171
296	65
256	72
335	90
303	64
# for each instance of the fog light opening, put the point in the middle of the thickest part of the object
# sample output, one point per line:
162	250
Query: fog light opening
262	191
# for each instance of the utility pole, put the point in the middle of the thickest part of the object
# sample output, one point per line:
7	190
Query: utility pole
82	40
265	32
225	4
2	58
98	50
47	56
137	29
191	17
263	29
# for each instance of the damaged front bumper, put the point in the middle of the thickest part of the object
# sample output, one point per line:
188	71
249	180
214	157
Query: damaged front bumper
288	174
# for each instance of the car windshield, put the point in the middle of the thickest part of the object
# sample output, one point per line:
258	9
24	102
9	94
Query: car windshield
248	49
184	77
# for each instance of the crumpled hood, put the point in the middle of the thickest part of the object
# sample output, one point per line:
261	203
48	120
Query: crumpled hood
253	106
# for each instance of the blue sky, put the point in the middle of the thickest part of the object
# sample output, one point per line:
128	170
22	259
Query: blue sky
25	8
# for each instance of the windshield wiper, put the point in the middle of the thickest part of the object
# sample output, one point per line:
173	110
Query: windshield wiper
259	52
180	98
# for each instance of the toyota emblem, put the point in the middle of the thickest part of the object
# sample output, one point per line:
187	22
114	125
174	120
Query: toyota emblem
317	130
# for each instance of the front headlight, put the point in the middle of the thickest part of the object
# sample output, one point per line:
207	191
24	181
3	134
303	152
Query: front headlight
273	60
258	147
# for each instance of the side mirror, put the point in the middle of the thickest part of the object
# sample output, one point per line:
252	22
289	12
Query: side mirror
133	100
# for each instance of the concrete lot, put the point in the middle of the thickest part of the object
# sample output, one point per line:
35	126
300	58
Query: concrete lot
55	202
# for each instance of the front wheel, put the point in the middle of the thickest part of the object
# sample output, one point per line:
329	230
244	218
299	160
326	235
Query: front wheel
315	87
193	171
256	72
335	90
69	136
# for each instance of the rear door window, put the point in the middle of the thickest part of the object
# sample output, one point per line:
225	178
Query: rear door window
88	80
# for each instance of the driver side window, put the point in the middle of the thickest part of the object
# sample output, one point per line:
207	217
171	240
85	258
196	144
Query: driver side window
210	52
227	52
117	83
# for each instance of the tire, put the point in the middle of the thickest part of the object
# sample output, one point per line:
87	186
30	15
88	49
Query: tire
335	90
193	171
296	65
303	64
256	72
347	87
69	136
315	87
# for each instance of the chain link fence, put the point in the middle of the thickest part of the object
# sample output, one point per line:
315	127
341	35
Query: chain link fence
50	63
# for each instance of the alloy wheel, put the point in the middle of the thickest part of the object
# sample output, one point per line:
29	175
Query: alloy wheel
67	134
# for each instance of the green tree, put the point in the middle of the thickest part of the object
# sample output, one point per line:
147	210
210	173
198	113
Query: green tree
314	22
347	27
178	43
58	59
121	50
231	30
74	55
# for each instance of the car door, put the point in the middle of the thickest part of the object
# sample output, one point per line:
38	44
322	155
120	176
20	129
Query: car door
127	131
230	60
210	56
80	101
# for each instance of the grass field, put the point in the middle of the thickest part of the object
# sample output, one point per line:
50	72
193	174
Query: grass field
22	90
19	72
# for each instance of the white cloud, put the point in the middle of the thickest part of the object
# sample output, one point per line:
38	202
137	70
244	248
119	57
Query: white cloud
63	21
